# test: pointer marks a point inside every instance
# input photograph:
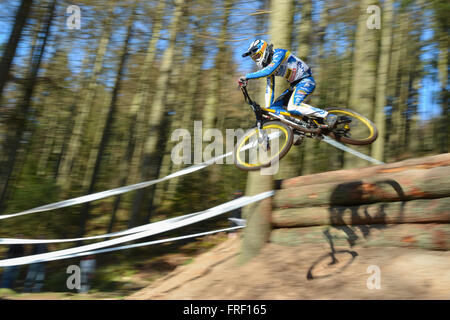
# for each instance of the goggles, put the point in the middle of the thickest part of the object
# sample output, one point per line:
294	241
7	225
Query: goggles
256	56
255	52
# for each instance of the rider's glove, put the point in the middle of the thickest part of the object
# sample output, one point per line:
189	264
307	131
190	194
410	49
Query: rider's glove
243	80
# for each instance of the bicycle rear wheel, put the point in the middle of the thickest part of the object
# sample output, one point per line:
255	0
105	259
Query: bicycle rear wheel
353	128
256	150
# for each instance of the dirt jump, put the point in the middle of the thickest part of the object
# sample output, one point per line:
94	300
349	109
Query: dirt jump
307	272
381	232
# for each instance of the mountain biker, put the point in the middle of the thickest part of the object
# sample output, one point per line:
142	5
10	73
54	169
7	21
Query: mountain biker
280	62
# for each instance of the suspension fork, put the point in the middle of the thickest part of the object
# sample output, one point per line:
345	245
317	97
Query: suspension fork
262	135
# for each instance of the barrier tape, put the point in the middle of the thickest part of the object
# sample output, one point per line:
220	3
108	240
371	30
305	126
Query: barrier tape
107	235
209	213
87	253
113	192
352	151
149	226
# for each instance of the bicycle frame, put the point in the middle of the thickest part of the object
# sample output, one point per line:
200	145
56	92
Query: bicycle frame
296	123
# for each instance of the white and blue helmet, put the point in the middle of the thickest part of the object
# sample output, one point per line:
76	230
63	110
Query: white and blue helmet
259	50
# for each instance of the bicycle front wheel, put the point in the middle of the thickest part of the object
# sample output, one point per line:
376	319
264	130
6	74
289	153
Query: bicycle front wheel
262	148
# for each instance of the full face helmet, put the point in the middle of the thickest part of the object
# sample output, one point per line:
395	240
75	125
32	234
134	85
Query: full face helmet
260	52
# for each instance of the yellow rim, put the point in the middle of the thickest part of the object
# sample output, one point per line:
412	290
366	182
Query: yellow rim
362	119
238	158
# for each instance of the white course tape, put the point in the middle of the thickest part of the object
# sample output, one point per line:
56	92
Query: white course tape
212	212
87	253
113	192
149	226
145	227
350	150
238	222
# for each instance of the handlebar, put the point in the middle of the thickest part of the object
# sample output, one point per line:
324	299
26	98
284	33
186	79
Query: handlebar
243	87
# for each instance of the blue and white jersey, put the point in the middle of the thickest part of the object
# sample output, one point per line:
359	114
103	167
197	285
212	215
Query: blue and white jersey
284	64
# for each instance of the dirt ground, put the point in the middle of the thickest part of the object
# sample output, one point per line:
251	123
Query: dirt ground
307	272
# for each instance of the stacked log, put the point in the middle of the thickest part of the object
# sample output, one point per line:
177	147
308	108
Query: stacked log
400	204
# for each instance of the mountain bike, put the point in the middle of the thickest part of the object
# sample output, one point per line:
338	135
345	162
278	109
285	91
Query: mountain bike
273	135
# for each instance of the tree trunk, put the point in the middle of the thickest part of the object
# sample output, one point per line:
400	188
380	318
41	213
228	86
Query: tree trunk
444	137
172	101
305	31
100	122
382	77
290	166
362	94
108	124
135	117
257	232
67	126
210	112
157	191
311	148
24	105
188	110
399	78
151	158
10	50
74	144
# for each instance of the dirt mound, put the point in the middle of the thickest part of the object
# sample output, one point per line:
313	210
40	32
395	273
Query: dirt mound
307	272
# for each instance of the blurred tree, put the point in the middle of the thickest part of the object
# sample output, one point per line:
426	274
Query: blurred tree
152	155
108	121
211	110
382	77
313	148
365	56
83	109
135	117
193	81
257	214
21	114
305	31
441	25
10	49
